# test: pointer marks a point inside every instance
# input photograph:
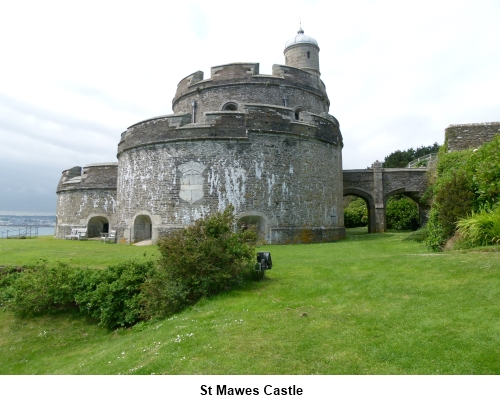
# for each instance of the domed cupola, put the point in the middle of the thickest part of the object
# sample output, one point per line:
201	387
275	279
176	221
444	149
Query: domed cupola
300	38
302	52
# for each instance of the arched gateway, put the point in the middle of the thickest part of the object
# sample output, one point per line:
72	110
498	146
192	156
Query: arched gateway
377	184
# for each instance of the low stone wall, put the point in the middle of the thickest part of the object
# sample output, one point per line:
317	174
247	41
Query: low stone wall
305	235
470	136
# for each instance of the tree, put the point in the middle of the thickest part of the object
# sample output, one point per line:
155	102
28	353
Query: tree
402	158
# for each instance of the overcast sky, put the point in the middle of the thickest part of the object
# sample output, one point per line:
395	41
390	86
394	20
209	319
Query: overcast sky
75	75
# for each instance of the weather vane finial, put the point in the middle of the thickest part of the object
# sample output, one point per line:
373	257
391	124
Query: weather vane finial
300	31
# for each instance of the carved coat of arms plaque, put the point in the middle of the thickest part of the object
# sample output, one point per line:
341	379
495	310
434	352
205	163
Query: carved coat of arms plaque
191	181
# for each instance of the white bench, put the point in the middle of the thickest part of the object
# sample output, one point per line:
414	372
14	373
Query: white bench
110	236
77	234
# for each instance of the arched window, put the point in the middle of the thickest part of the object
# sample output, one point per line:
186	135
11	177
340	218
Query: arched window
308	55
230	107
298	110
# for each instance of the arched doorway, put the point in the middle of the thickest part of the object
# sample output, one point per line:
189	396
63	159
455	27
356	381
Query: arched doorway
96	226
256	222
142	228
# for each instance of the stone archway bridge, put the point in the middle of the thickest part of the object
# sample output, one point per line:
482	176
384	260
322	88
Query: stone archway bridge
376	185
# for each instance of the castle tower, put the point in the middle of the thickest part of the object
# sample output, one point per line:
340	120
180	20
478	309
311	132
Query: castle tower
266	144
302	52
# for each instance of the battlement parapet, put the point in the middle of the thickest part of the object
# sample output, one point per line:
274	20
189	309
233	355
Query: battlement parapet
90	176
234	71
298	76
224	125
234	80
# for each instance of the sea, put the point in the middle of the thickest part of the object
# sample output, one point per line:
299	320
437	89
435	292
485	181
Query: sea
14	230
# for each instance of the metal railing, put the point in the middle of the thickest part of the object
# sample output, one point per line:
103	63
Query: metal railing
423	159
20	233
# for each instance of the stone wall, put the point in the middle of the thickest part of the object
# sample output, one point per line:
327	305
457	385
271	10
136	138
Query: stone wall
231	125
470	136
86	198
291	182
238	83
303	56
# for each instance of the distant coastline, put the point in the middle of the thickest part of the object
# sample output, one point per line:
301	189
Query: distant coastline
14	229
27	220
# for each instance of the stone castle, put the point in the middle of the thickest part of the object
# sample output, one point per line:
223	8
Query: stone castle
264	143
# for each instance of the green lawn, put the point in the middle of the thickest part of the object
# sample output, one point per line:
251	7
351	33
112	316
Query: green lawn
371	304
23	252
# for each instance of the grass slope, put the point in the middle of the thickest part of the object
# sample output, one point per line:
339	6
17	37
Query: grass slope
371	304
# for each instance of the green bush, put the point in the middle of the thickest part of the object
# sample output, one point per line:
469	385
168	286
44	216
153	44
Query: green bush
454	200
43	289
201	260
401	214
113	295
452	195
479	229
8	276
436	237
485	165
356	214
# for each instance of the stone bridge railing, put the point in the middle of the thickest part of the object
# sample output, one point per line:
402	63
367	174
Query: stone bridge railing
376	185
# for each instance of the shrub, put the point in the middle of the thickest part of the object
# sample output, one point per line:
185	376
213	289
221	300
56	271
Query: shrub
479	229
42	289
356	214
401	214
454	200
113	295
199	261
436	237
485	164
451	192
8	276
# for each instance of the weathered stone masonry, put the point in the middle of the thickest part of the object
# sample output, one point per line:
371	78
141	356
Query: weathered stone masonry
470	136
263	143
86	197
377	184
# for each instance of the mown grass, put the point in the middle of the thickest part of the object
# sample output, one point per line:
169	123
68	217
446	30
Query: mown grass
26	252
372	304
